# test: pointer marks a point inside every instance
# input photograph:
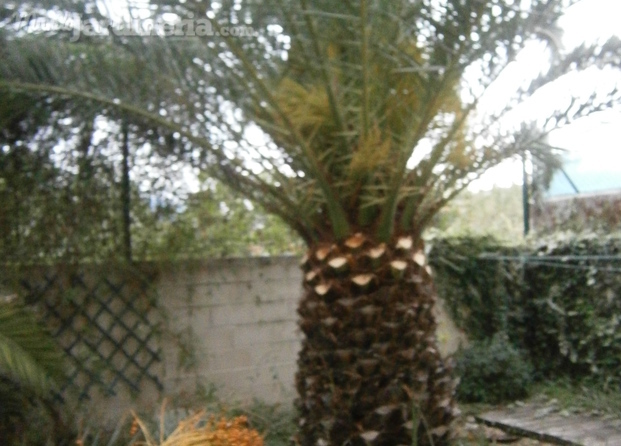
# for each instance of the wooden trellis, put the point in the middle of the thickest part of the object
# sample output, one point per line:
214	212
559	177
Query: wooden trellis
105	319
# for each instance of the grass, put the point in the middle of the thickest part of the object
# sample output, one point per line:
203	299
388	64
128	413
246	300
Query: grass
573	397
579	398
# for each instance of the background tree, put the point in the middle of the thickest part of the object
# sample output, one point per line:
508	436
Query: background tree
81	181
216	222
72	186
497	212
355	122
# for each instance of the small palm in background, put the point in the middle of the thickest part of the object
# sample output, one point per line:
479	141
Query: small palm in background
30	365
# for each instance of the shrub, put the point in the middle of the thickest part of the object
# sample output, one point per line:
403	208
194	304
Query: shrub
558	299
573	303
492	371
478	292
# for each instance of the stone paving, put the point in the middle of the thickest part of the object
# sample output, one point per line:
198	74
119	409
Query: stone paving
550	424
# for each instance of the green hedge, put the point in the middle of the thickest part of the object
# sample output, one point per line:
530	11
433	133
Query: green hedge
559	300
492	371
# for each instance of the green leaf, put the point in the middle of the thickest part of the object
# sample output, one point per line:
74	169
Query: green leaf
28	356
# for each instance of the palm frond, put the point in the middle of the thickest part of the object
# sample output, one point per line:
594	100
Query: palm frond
28	355
345	94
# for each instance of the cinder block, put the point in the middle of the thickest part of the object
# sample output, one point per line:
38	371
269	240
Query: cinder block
268	384
268	290
233	315
199	316
240	359
211	338
229	293
285	267
169	295
178	319
180	383
285	352
274	312
244	314
245	335
230	270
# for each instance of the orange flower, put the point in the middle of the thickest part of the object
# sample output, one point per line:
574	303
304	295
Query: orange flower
233	433
213	432
134	427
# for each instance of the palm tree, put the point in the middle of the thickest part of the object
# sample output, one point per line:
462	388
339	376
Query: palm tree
355	122
31	365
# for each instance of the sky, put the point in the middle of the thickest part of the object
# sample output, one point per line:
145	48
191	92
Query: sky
592	143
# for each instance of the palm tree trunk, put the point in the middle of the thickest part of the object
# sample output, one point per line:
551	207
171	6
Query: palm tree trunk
369	371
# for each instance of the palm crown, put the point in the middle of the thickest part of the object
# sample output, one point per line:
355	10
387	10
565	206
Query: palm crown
344	94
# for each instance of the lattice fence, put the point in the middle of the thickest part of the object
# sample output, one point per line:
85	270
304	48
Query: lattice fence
105	318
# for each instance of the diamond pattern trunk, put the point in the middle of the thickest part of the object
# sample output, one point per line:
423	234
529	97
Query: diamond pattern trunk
369	372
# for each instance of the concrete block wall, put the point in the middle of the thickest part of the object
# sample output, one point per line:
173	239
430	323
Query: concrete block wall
238	316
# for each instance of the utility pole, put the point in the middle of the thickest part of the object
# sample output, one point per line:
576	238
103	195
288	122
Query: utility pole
525	202
126	193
